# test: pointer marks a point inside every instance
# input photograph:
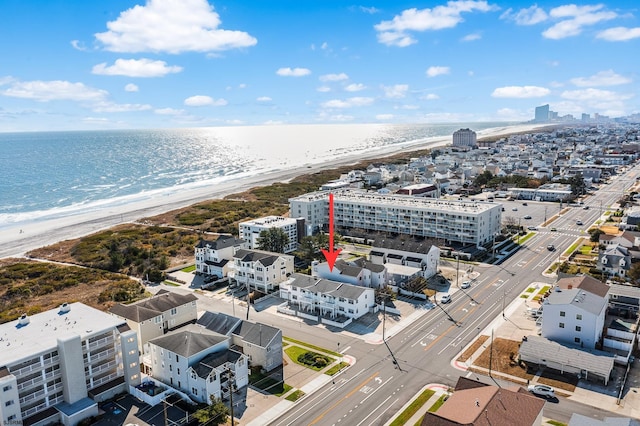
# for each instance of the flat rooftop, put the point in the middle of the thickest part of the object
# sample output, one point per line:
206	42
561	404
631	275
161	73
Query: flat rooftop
18	342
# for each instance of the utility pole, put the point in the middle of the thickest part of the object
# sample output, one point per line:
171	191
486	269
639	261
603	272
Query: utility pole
491	353
457	268
231	379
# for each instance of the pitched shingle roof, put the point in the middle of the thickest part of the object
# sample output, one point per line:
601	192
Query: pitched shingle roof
218	322
189	340
265	258
222	242
134	312
257	334
585	283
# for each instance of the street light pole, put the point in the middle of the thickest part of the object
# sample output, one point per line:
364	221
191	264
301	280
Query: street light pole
457	269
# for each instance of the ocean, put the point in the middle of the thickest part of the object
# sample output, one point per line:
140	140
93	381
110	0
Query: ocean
55	174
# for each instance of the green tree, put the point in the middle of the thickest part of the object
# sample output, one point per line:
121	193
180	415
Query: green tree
216	413
634	274
482	179
595	235
578	186
307	249
273	239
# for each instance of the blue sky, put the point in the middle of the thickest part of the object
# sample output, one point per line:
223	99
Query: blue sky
107	64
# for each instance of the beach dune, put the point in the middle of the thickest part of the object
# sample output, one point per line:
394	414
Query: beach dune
18	239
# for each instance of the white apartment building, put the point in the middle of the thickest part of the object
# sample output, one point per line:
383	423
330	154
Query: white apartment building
261	270
466	222
214	257
198	362
154	316
465	137
327	298
574	316
250	230
56	365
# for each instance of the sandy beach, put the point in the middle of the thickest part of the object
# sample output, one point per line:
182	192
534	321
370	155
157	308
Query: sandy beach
17	240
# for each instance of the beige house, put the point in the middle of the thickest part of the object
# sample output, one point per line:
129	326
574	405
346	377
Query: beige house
153	317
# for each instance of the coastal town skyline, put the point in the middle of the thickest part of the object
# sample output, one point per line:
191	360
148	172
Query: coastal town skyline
159	63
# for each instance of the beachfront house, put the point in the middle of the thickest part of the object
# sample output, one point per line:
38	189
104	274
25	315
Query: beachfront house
250	230
213	257
359	272
154	316
261	270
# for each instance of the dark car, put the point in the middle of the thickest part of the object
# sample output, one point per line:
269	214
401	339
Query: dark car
551	247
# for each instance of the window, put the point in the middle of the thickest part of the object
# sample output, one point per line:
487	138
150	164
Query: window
174	311
578	328
6	388
8	403
562	313
11	418
177	359
578	316
133	364
170	367
178	371
157	319
577	340
561	325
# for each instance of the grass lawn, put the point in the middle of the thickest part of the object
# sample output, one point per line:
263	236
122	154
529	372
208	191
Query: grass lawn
333	370
412	408
438	403
269	384
309	345
295	351
294	396
530	290
556	423
189	268
541	293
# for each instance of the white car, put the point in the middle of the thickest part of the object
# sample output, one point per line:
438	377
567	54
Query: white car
446	298
465	284
542	390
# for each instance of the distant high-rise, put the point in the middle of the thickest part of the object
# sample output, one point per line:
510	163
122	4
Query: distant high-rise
542	113
464	137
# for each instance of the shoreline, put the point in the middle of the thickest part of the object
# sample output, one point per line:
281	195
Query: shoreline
20	238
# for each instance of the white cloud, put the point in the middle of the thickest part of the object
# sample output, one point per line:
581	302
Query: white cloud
619	34
355	87
472	37
520	92
591	94
264	99
45	91
602	78
78	45
293	72
435	71
348	103
136	68
273	123
168	111
323	89
384	117
324	46
430	97
242	86
510	114
334	77
107	106
369	10
528	16
201	100
579	17
396	91
341	118
171	27
410	107
396	31
131	88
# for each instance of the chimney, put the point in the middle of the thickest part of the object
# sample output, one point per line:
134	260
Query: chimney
23	320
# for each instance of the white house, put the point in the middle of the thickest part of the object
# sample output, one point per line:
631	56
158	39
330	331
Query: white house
425	255
213	257
614	260
260	342
261	270
250	230
57	365
575	316
360	272
327	298
154	316
198	362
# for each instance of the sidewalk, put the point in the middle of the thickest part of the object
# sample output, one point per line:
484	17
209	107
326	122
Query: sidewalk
439	391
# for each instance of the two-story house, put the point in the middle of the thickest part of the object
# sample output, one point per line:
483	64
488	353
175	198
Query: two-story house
360	272
614	260
260	342
154	316
574	315
198	362
213	257
261	270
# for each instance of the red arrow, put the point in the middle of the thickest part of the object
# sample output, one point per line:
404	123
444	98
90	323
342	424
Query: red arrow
330	254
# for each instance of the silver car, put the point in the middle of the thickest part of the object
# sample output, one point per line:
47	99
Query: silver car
542	390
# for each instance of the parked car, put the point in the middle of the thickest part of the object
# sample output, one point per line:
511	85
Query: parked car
515	209
527	217
542	390
446	298
525	204
465	284
532	228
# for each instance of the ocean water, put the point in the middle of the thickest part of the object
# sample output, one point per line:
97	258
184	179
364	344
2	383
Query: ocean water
51	174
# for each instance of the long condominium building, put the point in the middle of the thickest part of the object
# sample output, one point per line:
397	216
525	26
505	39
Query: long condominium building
57	365
466	222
